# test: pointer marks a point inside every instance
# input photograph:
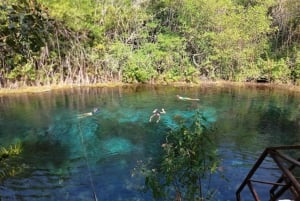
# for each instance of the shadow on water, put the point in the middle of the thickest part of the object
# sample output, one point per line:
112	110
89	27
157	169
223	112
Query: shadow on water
276	120
45	154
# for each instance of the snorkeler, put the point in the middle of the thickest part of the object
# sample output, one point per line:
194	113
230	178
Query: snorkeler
187	98
156	113
93	112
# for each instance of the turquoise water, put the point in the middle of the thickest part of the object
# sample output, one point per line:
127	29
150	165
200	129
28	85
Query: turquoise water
69	158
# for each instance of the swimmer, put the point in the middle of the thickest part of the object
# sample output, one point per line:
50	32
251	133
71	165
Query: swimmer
93	112
156	113
187	98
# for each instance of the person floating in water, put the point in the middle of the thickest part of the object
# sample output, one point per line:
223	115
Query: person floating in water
156	113
187	98
93	112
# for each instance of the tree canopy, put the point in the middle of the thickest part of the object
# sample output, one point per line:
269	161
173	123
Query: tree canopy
148	41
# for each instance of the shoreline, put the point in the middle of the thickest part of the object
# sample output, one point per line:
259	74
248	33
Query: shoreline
42	89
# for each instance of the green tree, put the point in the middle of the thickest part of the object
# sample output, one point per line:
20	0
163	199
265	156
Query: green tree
238	37
189	156
286	18
89	41
22	32
285	40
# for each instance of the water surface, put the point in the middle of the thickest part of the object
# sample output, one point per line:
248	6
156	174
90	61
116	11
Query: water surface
69	158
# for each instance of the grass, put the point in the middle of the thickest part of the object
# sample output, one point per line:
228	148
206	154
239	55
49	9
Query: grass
43	89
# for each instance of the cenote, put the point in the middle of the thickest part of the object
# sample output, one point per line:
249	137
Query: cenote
69	158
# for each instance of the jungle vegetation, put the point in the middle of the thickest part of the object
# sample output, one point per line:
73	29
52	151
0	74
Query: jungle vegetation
62	42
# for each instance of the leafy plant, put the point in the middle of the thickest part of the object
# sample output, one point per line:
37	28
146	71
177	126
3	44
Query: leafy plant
15	149
46	42
295	71
188	158
274	70
8	165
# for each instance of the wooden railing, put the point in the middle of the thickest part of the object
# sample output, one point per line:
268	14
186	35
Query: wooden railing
286	182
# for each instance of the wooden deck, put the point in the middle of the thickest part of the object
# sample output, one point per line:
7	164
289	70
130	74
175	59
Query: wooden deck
287	184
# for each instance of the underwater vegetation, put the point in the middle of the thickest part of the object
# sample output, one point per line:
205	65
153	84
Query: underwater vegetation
117	145
9	165
11	150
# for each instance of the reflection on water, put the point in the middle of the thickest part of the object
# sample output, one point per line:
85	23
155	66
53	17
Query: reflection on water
60	151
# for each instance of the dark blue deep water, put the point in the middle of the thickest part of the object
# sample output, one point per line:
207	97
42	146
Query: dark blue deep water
69	157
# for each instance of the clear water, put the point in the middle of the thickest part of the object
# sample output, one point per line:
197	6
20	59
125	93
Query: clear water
69	158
